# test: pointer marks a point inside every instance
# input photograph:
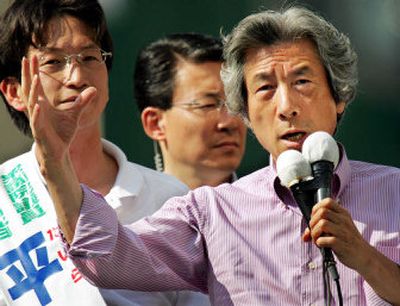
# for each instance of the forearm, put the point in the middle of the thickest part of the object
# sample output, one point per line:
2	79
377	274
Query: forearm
126	262
383	276
65	191
144	256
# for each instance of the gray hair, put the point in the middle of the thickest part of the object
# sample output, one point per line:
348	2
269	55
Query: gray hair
270	28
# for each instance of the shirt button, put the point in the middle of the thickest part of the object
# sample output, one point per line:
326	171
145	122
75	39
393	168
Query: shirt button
311	265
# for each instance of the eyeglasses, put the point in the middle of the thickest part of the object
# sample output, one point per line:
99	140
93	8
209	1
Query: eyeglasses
54	62
203	105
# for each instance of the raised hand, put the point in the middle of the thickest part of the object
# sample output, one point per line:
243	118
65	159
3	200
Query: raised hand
53	129
53	126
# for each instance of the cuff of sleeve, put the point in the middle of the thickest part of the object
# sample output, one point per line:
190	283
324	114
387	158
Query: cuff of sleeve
97	227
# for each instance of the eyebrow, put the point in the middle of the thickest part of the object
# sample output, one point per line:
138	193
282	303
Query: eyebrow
302	71
263	76
268	76
212	94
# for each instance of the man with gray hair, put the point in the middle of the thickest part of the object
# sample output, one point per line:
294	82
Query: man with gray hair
289	74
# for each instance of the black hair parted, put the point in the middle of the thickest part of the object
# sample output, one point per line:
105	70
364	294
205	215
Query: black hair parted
156	65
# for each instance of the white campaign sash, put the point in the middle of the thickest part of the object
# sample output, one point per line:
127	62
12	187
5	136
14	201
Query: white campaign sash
34	269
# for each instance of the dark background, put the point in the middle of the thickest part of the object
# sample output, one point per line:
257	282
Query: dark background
370	128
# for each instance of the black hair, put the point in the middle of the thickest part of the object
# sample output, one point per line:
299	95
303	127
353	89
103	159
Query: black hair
156	65
24	24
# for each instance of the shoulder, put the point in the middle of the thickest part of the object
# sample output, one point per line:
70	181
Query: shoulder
375	181
255	180
229	192
157	180
23	159
142	181
370	171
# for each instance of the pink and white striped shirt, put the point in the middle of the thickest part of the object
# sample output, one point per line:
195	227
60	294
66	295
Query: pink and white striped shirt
241	242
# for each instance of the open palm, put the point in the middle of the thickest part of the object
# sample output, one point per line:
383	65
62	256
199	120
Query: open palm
53	127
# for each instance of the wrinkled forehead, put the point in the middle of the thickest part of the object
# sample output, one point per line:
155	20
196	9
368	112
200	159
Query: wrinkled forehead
291	55
304	43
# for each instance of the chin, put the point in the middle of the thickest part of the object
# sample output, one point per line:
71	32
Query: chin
228	166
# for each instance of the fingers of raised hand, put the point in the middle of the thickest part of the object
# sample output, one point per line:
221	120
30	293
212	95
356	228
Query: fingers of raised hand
30	82
84	98
25	78
87	95
32	100
33	94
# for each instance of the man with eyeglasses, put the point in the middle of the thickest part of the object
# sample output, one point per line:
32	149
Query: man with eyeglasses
67	44
180	95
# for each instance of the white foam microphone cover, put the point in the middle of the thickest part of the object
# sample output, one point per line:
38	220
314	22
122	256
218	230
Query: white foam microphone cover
321	146
292	167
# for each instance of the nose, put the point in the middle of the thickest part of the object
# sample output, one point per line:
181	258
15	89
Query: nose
287	106
75	75
226	121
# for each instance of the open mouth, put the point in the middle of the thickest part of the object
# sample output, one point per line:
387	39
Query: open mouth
297	136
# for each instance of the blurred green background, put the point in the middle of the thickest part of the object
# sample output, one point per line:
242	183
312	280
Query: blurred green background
370	128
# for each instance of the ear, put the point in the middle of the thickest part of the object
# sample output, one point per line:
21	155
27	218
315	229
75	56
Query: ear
11	88
153	120
340	107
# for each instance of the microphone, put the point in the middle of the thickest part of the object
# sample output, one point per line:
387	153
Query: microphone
322	152
308	175
295	173
292	168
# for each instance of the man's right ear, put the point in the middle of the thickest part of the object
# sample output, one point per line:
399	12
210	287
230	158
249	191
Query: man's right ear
11	89
153	122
